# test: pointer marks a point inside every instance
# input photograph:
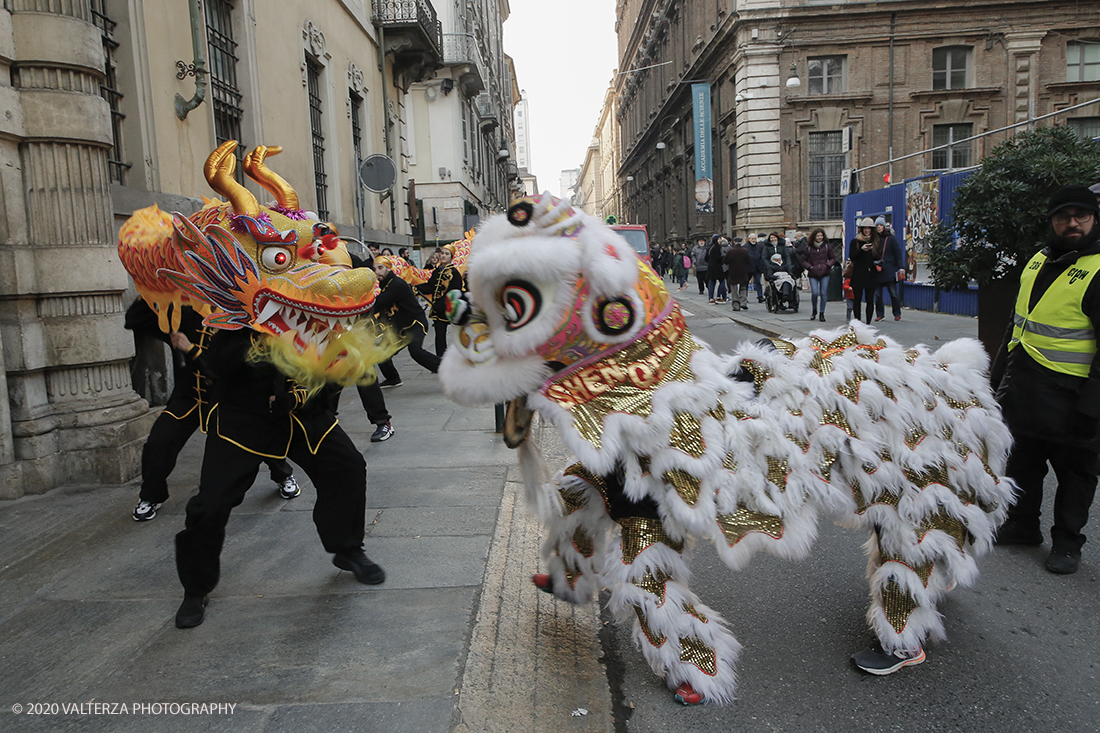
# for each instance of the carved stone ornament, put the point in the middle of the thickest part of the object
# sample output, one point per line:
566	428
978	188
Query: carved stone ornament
355	78
314	39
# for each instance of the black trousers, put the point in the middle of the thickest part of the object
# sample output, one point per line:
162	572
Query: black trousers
867	294
894	289
167	438
440	337
701	276
1076	469
374	402
338	472
419	354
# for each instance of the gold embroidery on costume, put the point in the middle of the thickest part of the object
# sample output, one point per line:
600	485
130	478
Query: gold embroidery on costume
935	475
690	608
686	485
828	458
897	606
694	651
654	639
948	524
850	388
913	437
729	464
800	440
582	543
885	498
886	390
641	532
759	372
687	435
572	500
654	582
595	480
735	526
778	469
786	347
625	380
837	418
718	412
572	575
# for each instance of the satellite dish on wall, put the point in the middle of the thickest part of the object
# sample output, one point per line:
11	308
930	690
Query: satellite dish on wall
378	173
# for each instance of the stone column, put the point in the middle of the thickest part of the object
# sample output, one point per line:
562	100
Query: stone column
1023	48
757	125
71	414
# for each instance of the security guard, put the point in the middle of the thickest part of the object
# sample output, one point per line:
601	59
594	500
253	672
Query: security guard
1047	379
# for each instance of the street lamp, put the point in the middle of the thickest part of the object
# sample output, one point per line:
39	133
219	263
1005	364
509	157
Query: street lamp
793	80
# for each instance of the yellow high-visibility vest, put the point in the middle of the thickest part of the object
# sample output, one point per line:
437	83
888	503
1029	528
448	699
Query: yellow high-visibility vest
1057	333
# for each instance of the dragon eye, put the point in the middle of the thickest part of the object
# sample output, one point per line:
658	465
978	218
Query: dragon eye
521	301
276	259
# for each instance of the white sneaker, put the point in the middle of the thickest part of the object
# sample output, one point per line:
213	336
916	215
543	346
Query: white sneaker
288	489
145	511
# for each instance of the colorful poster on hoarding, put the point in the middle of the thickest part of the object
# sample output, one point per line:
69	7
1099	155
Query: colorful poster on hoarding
704	174
922	211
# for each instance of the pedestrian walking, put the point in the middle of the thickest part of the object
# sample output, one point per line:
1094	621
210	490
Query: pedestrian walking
864	278
755	247
681	266
737	275
818	262
715	276
891	269
699	259
1047	380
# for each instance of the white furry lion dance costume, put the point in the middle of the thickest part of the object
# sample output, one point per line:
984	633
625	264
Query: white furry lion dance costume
744	450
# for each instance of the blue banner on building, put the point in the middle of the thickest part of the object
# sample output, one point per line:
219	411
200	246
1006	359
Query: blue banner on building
704	161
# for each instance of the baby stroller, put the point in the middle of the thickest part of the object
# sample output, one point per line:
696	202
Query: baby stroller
781	294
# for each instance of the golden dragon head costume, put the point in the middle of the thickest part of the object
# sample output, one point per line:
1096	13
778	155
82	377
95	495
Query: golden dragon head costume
745	450
273	268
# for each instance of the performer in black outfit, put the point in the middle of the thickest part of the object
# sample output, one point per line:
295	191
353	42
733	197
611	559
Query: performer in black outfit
188	408
445	277
261	413
397	307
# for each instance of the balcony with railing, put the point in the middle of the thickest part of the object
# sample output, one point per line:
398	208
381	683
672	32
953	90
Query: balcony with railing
487	111
461	51
414	35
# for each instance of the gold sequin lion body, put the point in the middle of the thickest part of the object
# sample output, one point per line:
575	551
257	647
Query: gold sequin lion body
745	450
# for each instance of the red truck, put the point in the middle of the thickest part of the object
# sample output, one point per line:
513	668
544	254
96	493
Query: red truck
638	238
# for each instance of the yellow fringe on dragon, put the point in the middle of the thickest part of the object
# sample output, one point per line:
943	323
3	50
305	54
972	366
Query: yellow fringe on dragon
273	268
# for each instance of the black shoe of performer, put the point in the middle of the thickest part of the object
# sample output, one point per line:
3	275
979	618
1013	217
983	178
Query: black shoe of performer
366	571
1014	533
191	612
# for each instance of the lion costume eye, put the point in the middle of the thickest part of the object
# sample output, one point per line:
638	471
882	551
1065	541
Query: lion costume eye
276	259
521	302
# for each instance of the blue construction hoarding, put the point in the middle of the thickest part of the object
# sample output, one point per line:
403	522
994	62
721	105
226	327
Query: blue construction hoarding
911	208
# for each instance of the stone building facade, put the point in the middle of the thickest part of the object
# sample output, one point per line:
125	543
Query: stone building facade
461	124
872	81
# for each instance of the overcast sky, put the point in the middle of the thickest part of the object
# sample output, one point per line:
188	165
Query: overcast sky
565	54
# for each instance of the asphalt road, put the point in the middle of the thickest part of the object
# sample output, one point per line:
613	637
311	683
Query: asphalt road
1021	653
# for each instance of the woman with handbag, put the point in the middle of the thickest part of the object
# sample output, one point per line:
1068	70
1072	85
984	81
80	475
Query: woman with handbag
862	253
891	269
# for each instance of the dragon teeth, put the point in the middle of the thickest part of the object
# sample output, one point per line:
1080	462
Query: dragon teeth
270	309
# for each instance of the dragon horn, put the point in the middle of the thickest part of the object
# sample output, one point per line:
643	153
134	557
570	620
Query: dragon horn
269	179
219	170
